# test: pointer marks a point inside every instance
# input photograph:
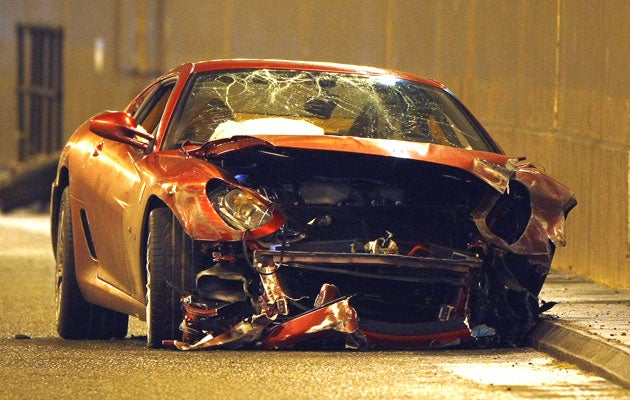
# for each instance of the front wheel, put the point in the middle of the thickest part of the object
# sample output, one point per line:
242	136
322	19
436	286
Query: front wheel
76	317
170	275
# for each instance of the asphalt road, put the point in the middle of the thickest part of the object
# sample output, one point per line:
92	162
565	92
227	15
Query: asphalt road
35	363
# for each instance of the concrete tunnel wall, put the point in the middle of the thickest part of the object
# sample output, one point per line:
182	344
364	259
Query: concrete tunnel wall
549	79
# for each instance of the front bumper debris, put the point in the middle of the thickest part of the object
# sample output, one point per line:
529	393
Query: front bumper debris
278	324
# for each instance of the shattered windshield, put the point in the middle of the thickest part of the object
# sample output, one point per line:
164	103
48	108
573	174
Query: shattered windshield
287	102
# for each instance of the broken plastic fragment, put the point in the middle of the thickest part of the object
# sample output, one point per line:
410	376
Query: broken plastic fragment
338	316
327	293
239	335
494	175
382	245
482	330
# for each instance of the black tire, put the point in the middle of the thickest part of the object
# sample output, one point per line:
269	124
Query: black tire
170	275
77	318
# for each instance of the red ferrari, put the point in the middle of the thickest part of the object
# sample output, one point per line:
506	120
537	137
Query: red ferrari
277	204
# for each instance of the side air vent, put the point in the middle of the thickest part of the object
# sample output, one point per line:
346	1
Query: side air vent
88	234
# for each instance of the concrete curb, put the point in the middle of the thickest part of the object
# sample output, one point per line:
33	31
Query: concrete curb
589	352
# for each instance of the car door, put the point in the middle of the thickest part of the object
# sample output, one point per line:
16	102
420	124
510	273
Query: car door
116	185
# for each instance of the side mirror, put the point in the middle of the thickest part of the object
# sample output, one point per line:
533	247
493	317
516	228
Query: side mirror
120	127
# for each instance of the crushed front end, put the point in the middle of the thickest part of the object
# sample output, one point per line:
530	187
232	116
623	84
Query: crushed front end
416	300
366	251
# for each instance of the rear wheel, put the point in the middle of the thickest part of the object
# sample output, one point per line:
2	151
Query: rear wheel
77	318
170	275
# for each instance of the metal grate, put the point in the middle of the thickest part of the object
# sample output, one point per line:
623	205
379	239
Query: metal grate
40	90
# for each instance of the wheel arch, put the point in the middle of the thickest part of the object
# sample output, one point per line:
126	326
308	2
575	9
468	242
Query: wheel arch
153	203
60	184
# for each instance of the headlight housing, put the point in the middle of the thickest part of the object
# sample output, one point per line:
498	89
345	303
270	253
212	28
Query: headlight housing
241	209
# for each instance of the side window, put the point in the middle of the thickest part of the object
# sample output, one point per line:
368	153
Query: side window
149	112
139	100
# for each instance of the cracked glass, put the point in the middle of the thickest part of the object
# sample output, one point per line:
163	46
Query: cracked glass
293	102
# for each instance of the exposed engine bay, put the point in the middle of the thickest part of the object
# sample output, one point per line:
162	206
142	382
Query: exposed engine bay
370	248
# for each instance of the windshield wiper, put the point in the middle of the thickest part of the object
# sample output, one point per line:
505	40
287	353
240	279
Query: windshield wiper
219	147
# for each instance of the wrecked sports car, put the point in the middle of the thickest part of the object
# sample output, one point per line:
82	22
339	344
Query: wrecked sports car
274	204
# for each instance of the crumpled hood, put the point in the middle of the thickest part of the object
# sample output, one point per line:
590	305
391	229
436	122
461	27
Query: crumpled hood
484	165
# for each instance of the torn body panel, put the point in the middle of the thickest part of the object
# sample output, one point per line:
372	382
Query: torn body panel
549	204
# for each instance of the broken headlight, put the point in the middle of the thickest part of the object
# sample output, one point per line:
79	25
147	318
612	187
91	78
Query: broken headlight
240	209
